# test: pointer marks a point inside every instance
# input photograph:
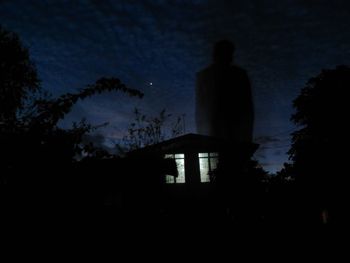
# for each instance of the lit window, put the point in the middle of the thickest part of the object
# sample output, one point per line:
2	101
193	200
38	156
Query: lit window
207	163
180	163
169	179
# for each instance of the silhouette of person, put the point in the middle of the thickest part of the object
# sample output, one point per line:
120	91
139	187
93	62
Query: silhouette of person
224	107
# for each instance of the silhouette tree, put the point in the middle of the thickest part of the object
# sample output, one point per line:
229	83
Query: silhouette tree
286	174
282	196
147	130
318	145
49	112
33	149
26	110
18	76
39	171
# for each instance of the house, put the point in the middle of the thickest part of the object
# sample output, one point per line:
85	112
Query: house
167	178
195	156
188	192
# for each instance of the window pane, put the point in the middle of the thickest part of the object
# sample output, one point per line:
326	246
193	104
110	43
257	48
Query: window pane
204	169
203	155
180	163
169	179
181	171
214	154
213	163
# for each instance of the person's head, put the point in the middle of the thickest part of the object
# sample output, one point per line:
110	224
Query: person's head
223	52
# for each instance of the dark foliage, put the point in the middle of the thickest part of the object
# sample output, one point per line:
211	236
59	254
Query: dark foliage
49	112
147	130
317	147
18	76
25	115
39	172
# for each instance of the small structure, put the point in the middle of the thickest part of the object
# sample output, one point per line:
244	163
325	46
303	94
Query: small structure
175	174
195	155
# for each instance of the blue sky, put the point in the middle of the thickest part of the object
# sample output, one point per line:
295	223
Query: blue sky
281	44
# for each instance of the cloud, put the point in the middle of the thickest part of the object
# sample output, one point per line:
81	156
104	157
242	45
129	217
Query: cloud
266	139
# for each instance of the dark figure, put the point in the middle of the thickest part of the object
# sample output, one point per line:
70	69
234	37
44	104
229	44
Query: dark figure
224	107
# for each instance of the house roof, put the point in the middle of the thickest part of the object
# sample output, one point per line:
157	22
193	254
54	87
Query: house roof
194	142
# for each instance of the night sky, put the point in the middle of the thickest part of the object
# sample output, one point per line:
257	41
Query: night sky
281	44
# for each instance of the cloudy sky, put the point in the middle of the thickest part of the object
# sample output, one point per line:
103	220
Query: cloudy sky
281	44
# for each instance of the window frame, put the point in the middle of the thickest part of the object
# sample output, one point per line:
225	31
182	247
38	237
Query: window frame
208	156
175	156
